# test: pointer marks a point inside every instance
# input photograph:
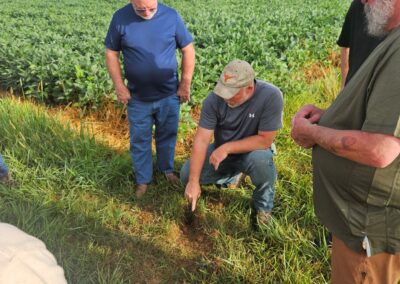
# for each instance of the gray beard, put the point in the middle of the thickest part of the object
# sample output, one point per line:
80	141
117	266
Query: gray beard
378	16
148	17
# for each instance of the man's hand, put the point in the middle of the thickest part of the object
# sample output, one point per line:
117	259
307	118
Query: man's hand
183	92
303	125
217	156
302	132
192	193
309	112
123	94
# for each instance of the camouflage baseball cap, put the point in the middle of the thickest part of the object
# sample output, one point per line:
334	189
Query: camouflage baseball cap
237	74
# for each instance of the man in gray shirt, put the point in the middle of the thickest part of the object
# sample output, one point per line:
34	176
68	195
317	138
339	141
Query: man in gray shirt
244	116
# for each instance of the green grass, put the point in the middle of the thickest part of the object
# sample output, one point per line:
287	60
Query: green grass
76	195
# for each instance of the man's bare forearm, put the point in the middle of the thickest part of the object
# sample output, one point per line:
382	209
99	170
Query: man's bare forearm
197	159
344	64
114	68
201	142
251	143
371	149
188	62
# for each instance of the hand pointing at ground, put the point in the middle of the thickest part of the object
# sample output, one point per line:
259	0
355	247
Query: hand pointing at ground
192	193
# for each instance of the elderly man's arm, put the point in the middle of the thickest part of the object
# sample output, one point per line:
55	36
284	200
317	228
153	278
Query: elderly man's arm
371	149
344	64
261	141
114	69
188	61
201	142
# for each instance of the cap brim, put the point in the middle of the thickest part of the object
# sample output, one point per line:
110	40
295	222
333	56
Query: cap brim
224	91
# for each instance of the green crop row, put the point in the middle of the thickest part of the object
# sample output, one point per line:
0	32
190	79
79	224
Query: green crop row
54	50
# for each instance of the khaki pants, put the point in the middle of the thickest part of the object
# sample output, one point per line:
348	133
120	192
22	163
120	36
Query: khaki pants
352	267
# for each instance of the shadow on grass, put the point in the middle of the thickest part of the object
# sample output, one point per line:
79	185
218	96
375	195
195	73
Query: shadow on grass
88	251
76	195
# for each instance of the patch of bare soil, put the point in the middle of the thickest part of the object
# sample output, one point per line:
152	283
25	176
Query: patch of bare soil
317	70
190	238
146	217
334	58
314	72
110	126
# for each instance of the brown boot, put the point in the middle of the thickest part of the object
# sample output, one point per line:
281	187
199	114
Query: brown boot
173	179
141	190
263	217
7	180
238	181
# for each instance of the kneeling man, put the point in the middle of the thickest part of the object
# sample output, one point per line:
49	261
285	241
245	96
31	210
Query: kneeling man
244	115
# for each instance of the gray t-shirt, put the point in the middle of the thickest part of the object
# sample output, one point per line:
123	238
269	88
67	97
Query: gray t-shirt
262	112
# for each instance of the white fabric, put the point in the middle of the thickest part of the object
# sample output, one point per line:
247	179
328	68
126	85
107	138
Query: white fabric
24	259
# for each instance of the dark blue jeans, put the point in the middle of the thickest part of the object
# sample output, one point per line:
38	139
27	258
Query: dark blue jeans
164	115
259	165
3	167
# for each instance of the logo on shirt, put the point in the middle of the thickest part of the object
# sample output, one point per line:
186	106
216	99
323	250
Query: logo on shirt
251	115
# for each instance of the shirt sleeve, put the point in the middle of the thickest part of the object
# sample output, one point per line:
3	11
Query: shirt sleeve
345	34
272	116
208	116
113	38
383	105
182	36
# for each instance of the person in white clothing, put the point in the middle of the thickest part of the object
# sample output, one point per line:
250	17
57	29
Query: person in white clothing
25	259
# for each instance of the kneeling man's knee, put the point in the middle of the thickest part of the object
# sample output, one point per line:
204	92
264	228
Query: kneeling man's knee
184	174
259	165
260	157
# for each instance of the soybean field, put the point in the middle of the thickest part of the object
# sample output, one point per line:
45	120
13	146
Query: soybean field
55	51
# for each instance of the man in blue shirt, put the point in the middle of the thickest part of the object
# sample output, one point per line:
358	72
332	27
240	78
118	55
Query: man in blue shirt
148	33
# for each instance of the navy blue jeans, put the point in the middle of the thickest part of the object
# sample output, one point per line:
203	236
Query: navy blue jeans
164	115
259	165
3	167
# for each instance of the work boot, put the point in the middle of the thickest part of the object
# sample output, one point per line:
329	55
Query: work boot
259	218
253	219
141	190
239	179
7	180
173	179
263	217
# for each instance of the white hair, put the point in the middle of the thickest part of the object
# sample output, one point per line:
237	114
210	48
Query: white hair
378	16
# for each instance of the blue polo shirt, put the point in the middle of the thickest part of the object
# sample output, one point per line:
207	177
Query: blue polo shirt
148	48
